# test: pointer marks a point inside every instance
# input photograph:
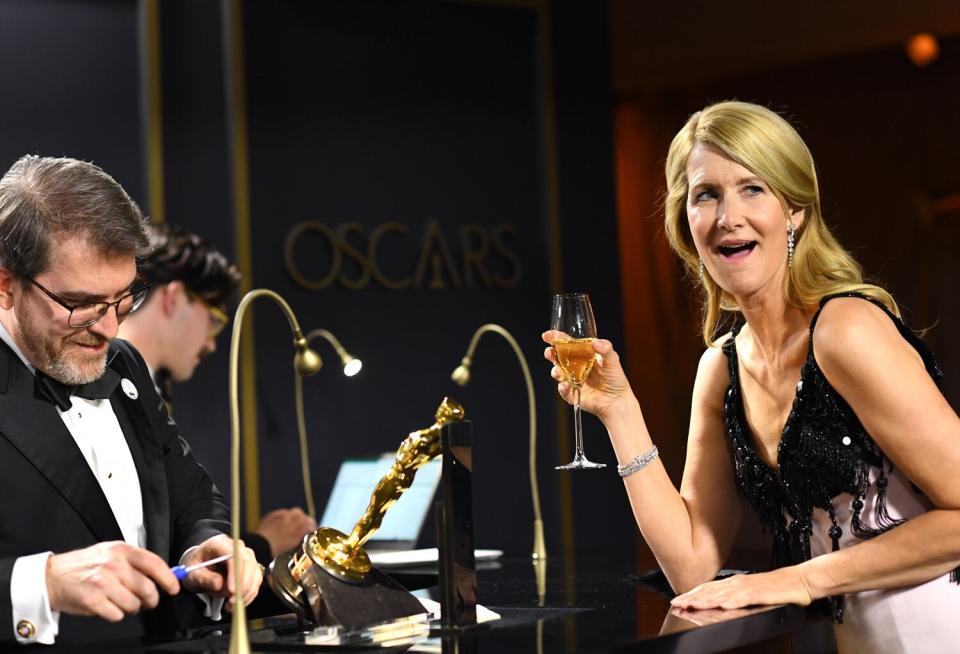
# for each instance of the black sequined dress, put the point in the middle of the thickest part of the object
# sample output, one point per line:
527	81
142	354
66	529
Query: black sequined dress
833	488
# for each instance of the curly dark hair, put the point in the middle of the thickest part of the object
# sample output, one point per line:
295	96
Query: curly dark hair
42	198
179	255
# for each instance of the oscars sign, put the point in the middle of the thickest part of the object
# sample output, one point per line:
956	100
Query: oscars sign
355	256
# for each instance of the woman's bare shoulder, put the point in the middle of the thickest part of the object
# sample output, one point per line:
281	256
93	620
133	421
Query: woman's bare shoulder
849	327
713	372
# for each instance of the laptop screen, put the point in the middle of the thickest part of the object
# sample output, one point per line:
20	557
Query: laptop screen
351	492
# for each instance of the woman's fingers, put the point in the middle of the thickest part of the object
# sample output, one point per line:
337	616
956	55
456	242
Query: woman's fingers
552	335
604	382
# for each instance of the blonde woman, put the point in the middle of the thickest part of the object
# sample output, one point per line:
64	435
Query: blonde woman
818	407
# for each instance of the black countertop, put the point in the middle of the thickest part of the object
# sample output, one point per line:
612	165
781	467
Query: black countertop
587	606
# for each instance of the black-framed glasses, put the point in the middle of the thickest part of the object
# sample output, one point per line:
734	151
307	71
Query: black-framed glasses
84	315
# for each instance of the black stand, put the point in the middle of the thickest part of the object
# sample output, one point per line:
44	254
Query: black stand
454	515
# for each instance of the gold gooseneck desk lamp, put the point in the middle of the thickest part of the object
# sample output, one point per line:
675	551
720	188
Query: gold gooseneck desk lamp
351	366
305	362
462	377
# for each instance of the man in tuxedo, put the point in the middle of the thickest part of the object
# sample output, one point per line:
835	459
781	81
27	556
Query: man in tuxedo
192	283
101	494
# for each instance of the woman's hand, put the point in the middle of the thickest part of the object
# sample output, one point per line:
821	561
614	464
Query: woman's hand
605	388
782	586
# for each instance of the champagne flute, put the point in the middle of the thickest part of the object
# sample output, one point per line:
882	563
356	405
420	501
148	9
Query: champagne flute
572	316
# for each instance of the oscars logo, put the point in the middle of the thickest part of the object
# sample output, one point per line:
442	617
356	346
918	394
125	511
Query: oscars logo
317	255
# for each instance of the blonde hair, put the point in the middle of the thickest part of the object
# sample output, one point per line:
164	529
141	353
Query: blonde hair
763	142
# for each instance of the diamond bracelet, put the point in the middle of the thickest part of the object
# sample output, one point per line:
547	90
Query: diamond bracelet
639	462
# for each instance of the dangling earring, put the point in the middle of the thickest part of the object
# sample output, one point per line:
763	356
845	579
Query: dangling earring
701	271
791	237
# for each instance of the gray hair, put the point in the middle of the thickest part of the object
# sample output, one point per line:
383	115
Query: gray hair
45	197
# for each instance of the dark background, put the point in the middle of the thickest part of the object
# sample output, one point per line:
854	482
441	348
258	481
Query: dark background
550	118
424	114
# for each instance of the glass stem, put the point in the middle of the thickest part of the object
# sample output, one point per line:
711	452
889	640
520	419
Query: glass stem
577	427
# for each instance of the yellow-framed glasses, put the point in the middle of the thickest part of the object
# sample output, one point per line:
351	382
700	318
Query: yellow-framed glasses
218	319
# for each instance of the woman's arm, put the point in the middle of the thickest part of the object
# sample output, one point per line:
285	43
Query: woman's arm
882	377
690	532
884	380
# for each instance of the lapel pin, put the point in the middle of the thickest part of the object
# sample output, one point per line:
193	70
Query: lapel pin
129	388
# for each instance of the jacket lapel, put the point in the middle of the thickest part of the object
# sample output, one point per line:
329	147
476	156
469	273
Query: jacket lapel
146	451
33	426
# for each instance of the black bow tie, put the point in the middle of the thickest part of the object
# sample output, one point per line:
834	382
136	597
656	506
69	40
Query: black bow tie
58	393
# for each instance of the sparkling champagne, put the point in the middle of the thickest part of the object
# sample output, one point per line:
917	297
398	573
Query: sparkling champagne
576	358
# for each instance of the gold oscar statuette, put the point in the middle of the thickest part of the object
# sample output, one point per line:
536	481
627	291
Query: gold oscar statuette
342	555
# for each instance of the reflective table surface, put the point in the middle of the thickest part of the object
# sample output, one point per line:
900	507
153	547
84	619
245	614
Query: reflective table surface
586	606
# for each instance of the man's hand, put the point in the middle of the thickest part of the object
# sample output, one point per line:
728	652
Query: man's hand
108	580
218	580
284	529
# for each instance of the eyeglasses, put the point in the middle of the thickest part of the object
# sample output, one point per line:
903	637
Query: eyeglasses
218	319
84	315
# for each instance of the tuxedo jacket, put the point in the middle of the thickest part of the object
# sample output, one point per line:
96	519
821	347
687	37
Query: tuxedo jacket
51	501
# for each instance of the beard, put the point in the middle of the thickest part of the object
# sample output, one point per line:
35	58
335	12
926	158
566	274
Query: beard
61	358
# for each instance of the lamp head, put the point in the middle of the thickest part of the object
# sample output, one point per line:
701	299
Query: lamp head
306	361
351	365
461	376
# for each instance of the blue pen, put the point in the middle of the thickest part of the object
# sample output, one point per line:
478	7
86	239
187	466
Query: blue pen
181	571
